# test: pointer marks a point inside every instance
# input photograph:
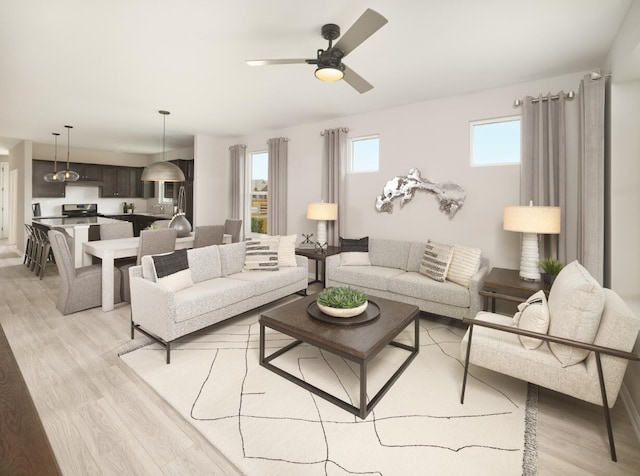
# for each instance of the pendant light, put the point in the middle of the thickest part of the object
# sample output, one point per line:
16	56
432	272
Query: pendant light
53	176
68	175
162	171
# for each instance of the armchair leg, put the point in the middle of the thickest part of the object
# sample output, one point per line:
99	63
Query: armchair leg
605	407
466	365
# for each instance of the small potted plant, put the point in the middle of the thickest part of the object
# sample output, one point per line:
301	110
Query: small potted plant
342	302
551	268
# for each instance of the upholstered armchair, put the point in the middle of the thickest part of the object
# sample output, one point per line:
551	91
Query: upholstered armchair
80	288
584	353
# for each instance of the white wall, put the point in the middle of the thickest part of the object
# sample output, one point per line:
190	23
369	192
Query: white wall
211	184
20	161
432	136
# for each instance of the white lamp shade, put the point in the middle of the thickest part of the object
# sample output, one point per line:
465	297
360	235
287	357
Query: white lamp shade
162	172
322	211
529	219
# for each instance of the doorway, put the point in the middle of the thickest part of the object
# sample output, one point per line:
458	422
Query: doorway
4	200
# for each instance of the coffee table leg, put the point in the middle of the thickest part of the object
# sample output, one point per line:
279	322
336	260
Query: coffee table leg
363	390
261	342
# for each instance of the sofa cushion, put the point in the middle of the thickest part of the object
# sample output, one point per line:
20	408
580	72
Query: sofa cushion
374	277
355	258
266	282
208	296
287	251
532	315
389	253
232	257
262	253
575	301
420	287
416	251
465	262
204	263
436	260
172	270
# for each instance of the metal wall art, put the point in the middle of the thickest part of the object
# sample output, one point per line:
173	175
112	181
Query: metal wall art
450	195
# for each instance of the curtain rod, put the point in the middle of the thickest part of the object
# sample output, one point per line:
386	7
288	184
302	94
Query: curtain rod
570	95
238	145
286	139
343	129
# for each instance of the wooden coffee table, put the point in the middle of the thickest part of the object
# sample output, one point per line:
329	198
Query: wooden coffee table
357	343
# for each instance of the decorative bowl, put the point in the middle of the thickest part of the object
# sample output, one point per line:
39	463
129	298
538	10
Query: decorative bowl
335	312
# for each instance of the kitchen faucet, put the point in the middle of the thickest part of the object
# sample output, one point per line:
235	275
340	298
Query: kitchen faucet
160	206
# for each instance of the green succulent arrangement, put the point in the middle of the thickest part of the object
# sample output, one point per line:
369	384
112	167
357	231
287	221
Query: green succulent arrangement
551	266
341	298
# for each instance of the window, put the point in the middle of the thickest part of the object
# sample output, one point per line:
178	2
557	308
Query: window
495	141
257	187
365	154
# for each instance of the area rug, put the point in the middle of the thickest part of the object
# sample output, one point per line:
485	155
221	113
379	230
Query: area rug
266	425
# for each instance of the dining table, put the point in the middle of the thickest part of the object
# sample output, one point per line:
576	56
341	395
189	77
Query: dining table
110	250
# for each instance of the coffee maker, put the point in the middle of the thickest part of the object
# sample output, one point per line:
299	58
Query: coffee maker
36	209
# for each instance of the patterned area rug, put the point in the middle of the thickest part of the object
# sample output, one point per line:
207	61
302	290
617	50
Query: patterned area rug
267	425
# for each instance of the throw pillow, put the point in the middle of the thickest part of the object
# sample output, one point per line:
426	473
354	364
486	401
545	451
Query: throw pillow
435	260
354	258
360	244
261	254
464	264
172	270
576	301
287	251
532	315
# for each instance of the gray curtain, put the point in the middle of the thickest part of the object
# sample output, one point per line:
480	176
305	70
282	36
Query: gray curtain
334	172
591	177
543	169
237	155
277	191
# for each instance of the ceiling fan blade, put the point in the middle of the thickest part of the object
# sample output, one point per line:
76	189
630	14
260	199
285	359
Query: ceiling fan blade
276	61
365	26
356	81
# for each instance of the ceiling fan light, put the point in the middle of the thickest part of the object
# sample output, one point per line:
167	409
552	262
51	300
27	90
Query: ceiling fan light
329	73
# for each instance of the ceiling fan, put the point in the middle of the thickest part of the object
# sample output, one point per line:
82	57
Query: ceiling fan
329	61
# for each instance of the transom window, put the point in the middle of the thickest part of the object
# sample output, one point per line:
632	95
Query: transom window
495	141
365	154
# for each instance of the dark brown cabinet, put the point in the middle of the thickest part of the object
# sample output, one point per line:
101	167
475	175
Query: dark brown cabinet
119	182
40	188
88	172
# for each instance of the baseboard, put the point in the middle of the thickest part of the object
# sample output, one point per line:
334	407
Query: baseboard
632	410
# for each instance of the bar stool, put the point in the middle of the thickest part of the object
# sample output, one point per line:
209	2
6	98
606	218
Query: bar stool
44	253
29	246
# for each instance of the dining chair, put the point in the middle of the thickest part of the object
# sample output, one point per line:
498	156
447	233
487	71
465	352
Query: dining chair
152	242
80	288
232	227
112	231
208	235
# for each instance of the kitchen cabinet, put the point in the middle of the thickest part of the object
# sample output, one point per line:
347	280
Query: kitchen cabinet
87	172
40	188
119	181
144	189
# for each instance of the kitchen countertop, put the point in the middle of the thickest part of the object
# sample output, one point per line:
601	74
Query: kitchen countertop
72	222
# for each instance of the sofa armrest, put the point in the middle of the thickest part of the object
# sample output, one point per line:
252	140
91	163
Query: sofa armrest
475	285
332	261
302	262
152	306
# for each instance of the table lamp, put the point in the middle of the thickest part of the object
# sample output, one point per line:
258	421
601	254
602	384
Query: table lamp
531	221
322	212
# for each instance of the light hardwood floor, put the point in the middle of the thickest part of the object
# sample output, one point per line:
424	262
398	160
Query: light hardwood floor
102	419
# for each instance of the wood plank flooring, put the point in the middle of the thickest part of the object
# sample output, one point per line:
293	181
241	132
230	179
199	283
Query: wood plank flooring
100	418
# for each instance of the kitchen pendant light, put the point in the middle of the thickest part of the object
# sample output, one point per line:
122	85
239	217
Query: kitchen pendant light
68	175
162	171
53	176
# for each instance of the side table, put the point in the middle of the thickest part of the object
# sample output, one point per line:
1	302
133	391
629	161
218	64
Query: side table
505	284
318	257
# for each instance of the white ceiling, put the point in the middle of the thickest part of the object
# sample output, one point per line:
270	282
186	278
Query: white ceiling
107	67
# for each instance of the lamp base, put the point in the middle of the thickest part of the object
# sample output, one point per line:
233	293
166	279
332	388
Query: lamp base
530	258
321	243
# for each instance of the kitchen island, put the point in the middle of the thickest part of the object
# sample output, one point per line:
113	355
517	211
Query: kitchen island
78	229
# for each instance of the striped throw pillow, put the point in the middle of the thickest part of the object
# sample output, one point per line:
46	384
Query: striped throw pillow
464	264
435	261
262	254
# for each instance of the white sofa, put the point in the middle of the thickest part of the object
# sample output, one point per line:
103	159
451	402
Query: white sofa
393	274
221	290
